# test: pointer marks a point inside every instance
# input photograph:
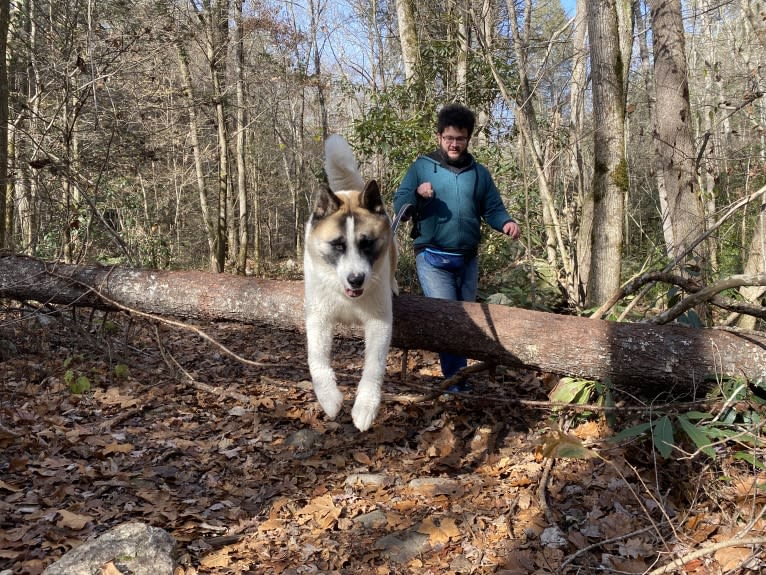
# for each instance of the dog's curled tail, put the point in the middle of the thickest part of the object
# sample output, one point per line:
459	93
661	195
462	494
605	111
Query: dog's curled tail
340	165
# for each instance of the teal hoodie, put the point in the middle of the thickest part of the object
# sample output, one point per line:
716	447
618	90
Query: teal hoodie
463	196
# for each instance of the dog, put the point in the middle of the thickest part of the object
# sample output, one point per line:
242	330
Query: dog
349	263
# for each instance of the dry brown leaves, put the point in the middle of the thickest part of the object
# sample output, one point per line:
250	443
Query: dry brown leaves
441	485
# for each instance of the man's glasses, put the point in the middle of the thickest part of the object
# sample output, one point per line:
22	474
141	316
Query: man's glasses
455	139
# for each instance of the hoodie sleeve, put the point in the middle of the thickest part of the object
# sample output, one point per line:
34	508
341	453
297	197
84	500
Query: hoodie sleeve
493	210
407	191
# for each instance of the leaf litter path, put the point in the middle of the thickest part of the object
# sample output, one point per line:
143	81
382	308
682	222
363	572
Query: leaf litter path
439	485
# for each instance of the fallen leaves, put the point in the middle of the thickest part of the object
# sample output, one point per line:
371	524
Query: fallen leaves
270	485
439	530
117	448
565	445
321	511
730	558
71	520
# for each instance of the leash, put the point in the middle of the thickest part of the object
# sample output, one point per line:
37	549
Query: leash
405	213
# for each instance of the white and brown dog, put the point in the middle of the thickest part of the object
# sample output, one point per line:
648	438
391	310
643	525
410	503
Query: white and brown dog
349	263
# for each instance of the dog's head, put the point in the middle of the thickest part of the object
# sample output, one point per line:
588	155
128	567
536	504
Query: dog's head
350	232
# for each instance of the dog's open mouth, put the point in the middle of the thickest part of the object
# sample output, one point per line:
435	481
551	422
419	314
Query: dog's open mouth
354	292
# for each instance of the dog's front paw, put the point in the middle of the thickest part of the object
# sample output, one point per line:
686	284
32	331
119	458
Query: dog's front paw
364	412
331	400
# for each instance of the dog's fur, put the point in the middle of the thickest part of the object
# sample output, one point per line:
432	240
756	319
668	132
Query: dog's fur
349	263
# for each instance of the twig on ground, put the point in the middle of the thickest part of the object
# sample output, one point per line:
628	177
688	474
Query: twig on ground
109	424
542	491
463	374
598	544
215	390
679	562
539	404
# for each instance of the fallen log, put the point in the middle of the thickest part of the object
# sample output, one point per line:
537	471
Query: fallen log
627	354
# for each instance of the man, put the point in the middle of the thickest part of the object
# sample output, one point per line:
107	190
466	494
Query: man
452	193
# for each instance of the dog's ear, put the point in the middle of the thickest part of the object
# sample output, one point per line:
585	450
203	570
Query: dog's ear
326	203
371	199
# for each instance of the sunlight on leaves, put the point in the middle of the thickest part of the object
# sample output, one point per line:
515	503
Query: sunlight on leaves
572	390
697	435
567	446
439	532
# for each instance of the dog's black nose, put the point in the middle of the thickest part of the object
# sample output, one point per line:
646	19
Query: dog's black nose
355	280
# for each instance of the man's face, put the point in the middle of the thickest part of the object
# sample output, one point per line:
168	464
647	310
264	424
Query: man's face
453	142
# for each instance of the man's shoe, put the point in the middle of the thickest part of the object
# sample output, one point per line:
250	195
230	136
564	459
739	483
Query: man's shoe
460	387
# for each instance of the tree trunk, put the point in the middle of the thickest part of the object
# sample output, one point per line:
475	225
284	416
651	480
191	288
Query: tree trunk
408	37
241	127
675	152
648	75
610	172
34	103
754	10
755	264
217	44
756	255
194	128
6	208
641	356
528	126
582	193
316	11
625	28
462	13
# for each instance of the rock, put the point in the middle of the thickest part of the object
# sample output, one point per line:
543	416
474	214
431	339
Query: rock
303	439
7	350
553	537
134	548
402	547
432	486
373	520
461	565
376	479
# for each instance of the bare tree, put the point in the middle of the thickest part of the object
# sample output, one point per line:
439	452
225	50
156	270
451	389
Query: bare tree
462	31
674	148
523	103
647	74
610	174
580	216
5	213
241	130
756	254
216	18
194	129
408	37
754	11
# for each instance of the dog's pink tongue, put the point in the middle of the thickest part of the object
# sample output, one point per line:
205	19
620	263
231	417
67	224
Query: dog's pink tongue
354	292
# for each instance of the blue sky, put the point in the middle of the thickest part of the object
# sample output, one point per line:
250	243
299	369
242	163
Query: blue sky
569	6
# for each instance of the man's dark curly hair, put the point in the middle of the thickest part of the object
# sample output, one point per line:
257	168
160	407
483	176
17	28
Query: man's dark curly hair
456	116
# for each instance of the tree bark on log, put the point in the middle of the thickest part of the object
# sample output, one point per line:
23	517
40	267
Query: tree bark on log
643	356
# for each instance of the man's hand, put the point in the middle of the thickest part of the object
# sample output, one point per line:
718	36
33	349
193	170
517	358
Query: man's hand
425	190
512	230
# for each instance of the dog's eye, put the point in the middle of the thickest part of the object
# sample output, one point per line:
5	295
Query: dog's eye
338	244
366	244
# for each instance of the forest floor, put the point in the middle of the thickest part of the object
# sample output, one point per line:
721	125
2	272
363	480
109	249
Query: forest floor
240	465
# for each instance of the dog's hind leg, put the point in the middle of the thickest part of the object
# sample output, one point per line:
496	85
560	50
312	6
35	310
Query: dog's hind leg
377	338
319	334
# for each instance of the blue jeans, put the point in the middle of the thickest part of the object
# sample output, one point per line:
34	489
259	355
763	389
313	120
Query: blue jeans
458	285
